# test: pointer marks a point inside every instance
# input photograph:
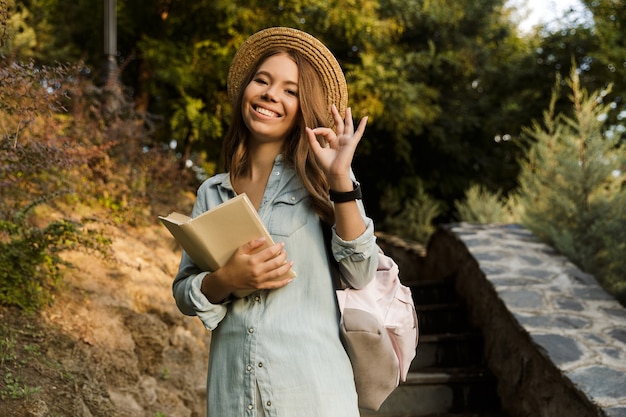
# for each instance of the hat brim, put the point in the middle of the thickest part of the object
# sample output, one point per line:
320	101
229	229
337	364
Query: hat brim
322	59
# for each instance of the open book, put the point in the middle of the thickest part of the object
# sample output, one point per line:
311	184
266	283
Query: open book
211	238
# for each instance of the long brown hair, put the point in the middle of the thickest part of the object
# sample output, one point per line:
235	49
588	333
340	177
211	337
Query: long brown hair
296	149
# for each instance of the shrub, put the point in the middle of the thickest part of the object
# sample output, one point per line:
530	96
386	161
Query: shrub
572	187
482	206
412	219
67	143
30	261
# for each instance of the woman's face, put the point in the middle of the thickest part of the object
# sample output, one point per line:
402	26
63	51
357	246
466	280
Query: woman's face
270	101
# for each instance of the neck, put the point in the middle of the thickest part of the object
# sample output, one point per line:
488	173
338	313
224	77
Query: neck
253	182
262	157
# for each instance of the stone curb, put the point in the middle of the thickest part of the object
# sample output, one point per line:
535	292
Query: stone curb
562	311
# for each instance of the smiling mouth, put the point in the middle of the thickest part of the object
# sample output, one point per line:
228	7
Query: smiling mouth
265	112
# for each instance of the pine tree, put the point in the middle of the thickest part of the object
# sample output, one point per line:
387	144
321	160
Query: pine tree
573	186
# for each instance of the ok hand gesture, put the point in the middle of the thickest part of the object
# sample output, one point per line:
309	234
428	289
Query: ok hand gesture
335	149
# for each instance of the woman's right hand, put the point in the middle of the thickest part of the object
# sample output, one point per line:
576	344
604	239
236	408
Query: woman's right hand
249	269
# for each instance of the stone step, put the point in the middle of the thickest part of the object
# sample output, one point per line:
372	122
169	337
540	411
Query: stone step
448	350
441	318
432	292
447	377
440	391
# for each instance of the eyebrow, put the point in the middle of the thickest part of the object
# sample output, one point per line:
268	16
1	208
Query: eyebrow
267	74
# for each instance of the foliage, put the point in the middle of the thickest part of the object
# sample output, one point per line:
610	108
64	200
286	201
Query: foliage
11	387
33	32
446	76
482	206
30	257
609	22
30	169
413	219
572	186
431	76
15	389
32	172
14	353
66	143
448	86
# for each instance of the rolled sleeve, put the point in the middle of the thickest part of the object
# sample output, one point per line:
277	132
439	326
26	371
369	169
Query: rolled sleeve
358	258
192	302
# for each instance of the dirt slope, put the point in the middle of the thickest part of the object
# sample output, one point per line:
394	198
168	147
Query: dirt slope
112	345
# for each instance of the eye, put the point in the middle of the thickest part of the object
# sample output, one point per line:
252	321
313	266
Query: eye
260	80
292	93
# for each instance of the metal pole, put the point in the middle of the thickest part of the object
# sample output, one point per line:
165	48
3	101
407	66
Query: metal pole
109	76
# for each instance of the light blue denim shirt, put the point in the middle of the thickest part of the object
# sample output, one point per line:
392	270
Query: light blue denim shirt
280	349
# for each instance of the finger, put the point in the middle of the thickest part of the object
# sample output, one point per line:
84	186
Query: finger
259	258
327	133
349	124
361	128
315	144
273	268
272	285
273	251
323	141
339	125
278	260
323	131
280	277
252	245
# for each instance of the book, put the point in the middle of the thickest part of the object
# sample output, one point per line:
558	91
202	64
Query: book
211	238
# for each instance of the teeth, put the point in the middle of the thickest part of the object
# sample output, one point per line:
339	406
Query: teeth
265	112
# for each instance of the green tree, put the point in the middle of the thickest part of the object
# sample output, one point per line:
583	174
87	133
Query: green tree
447	84
572	186
609	26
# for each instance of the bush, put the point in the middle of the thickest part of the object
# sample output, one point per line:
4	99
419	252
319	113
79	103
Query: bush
39	165
482	206
412	219
30	261
572	187
67	143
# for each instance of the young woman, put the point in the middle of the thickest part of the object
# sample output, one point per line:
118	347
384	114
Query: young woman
277	351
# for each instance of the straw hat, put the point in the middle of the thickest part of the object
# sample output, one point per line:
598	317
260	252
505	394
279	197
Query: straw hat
316	52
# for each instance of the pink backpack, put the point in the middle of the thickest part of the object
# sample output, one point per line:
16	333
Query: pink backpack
379	327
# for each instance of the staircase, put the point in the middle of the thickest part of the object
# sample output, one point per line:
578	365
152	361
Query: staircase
447	377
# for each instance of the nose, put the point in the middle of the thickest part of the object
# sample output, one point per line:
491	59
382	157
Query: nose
269	94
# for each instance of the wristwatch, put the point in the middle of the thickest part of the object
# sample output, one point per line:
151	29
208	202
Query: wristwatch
344	197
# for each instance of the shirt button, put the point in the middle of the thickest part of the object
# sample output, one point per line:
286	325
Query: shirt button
269	403
251	330
293	198
257	299
260	364
248	368
277	173
250	406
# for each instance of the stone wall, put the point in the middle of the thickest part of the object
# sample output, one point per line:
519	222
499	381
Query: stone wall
555	340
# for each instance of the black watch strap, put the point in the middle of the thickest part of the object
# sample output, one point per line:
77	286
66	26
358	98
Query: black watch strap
344	197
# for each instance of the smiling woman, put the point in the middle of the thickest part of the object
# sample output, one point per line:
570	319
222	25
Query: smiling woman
289	147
